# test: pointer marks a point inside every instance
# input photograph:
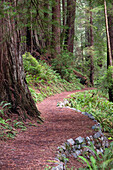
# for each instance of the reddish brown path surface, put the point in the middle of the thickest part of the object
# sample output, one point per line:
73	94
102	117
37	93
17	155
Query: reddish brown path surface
31	149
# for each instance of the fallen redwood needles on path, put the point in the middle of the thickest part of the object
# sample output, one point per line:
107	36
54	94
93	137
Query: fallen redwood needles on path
33	148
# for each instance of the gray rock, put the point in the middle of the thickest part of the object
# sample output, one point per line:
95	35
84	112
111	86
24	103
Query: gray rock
95	120
87	138
67	107
78	152
79	140
78	110
98	151
93	142
97	135
105	138
83	113
74	109
63	147
91	116
78	146
87	114
75	155
89	150
102	138
106	144
101	150
59	167
96	127
71	141
91	138
83	145
73	149
98	145
89	143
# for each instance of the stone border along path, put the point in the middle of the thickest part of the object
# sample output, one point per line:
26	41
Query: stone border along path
75	147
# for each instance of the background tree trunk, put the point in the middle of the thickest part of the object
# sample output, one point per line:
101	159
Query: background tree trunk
110	47
70	32
91	45
64	22
56	28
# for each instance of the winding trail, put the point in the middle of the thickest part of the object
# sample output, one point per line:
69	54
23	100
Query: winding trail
31	149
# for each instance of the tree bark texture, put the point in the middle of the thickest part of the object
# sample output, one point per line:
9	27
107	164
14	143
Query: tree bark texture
13	86
64	22
91	45
56	28
70	32
110	59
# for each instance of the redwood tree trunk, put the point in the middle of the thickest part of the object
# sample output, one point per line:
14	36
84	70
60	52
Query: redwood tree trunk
64	22
110	27
13	86
69	41
91	45
56	28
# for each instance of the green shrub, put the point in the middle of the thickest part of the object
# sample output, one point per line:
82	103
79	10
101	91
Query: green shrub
100	107
65	65
4	107
44	78
106	81
31	65
100	162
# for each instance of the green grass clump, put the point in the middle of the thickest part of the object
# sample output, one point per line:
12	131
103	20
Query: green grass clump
92	102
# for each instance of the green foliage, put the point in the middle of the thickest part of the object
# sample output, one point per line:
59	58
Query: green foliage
7	126
19	124
92	102
45	79
65	65
34	94
107	79
4	107
102	161
30	64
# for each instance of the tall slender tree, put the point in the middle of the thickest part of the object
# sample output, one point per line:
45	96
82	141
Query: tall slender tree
109	31
91	46
56	28
70	32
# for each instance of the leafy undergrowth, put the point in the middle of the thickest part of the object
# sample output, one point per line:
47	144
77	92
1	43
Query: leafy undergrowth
10	127
101	161
95	103
47	81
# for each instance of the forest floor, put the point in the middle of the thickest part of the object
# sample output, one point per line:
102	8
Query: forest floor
32	149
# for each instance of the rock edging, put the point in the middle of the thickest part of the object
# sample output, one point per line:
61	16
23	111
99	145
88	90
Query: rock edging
75	147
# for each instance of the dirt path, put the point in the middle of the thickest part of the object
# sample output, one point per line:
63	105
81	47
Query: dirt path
31	149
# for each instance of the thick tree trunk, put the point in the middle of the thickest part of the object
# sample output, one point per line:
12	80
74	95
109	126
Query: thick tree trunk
56	28
70	32
13	86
